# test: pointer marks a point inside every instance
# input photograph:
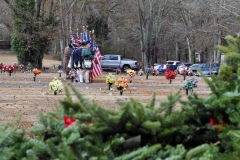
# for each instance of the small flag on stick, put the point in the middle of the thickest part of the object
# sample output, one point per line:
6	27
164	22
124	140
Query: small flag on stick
85	36
78	38
72	40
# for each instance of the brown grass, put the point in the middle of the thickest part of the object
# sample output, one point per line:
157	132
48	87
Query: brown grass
21	95
8	57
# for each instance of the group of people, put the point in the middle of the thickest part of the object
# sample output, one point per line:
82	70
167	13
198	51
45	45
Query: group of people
79	57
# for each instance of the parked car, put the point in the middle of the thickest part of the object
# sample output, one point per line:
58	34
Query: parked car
193	70
156	65
159	67
172	64
112	62
193	67
215	70
209	68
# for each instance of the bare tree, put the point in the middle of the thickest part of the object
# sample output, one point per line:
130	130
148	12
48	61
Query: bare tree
153	30
151	15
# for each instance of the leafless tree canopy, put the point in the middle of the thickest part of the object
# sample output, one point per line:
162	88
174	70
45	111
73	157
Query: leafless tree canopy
153	31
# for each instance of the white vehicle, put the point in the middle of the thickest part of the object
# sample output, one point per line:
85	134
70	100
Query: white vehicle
174	64
156	65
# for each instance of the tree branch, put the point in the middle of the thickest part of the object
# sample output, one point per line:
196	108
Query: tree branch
11	6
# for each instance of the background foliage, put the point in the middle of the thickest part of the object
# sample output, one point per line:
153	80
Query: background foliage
155	31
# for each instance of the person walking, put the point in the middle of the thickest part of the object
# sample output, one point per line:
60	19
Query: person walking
87	56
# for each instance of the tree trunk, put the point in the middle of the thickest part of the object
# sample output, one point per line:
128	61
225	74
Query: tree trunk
176	51
149	28
218	56
189	50
192	43
61	32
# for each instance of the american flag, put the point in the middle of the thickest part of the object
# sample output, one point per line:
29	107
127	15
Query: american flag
72	38
97	69
92	43
85	36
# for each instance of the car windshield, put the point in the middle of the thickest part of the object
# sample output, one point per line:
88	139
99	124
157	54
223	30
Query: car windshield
204	65
194	65
106	58
207	65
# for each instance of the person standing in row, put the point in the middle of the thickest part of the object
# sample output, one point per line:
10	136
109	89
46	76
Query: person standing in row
87	56
67	53
78	59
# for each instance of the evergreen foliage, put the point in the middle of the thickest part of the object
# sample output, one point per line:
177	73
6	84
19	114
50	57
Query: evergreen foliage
13	144
30	38
99	26
133	132
201	128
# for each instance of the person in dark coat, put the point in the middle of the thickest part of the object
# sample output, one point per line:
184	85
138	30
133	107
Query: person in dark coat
67	53
78	57
78	62
87	56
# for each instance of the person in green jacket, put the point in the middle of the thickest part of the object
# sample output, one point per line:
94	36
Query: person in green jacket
87	56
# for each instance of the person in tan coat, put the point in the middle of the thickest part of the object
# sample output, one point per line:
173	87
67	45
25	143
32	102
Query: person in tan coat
67	53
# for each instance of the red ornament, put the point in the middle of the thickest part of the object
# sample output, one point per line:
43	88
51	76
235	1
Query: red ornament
215	122
68	121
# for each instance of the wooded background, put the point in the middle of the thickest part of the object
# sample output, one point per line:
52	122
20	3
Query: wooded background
151	31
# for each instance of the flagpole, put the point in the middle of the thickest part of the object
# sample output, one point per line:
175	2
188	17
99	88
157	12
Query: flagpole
70	34
77	39
86	32
83	33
